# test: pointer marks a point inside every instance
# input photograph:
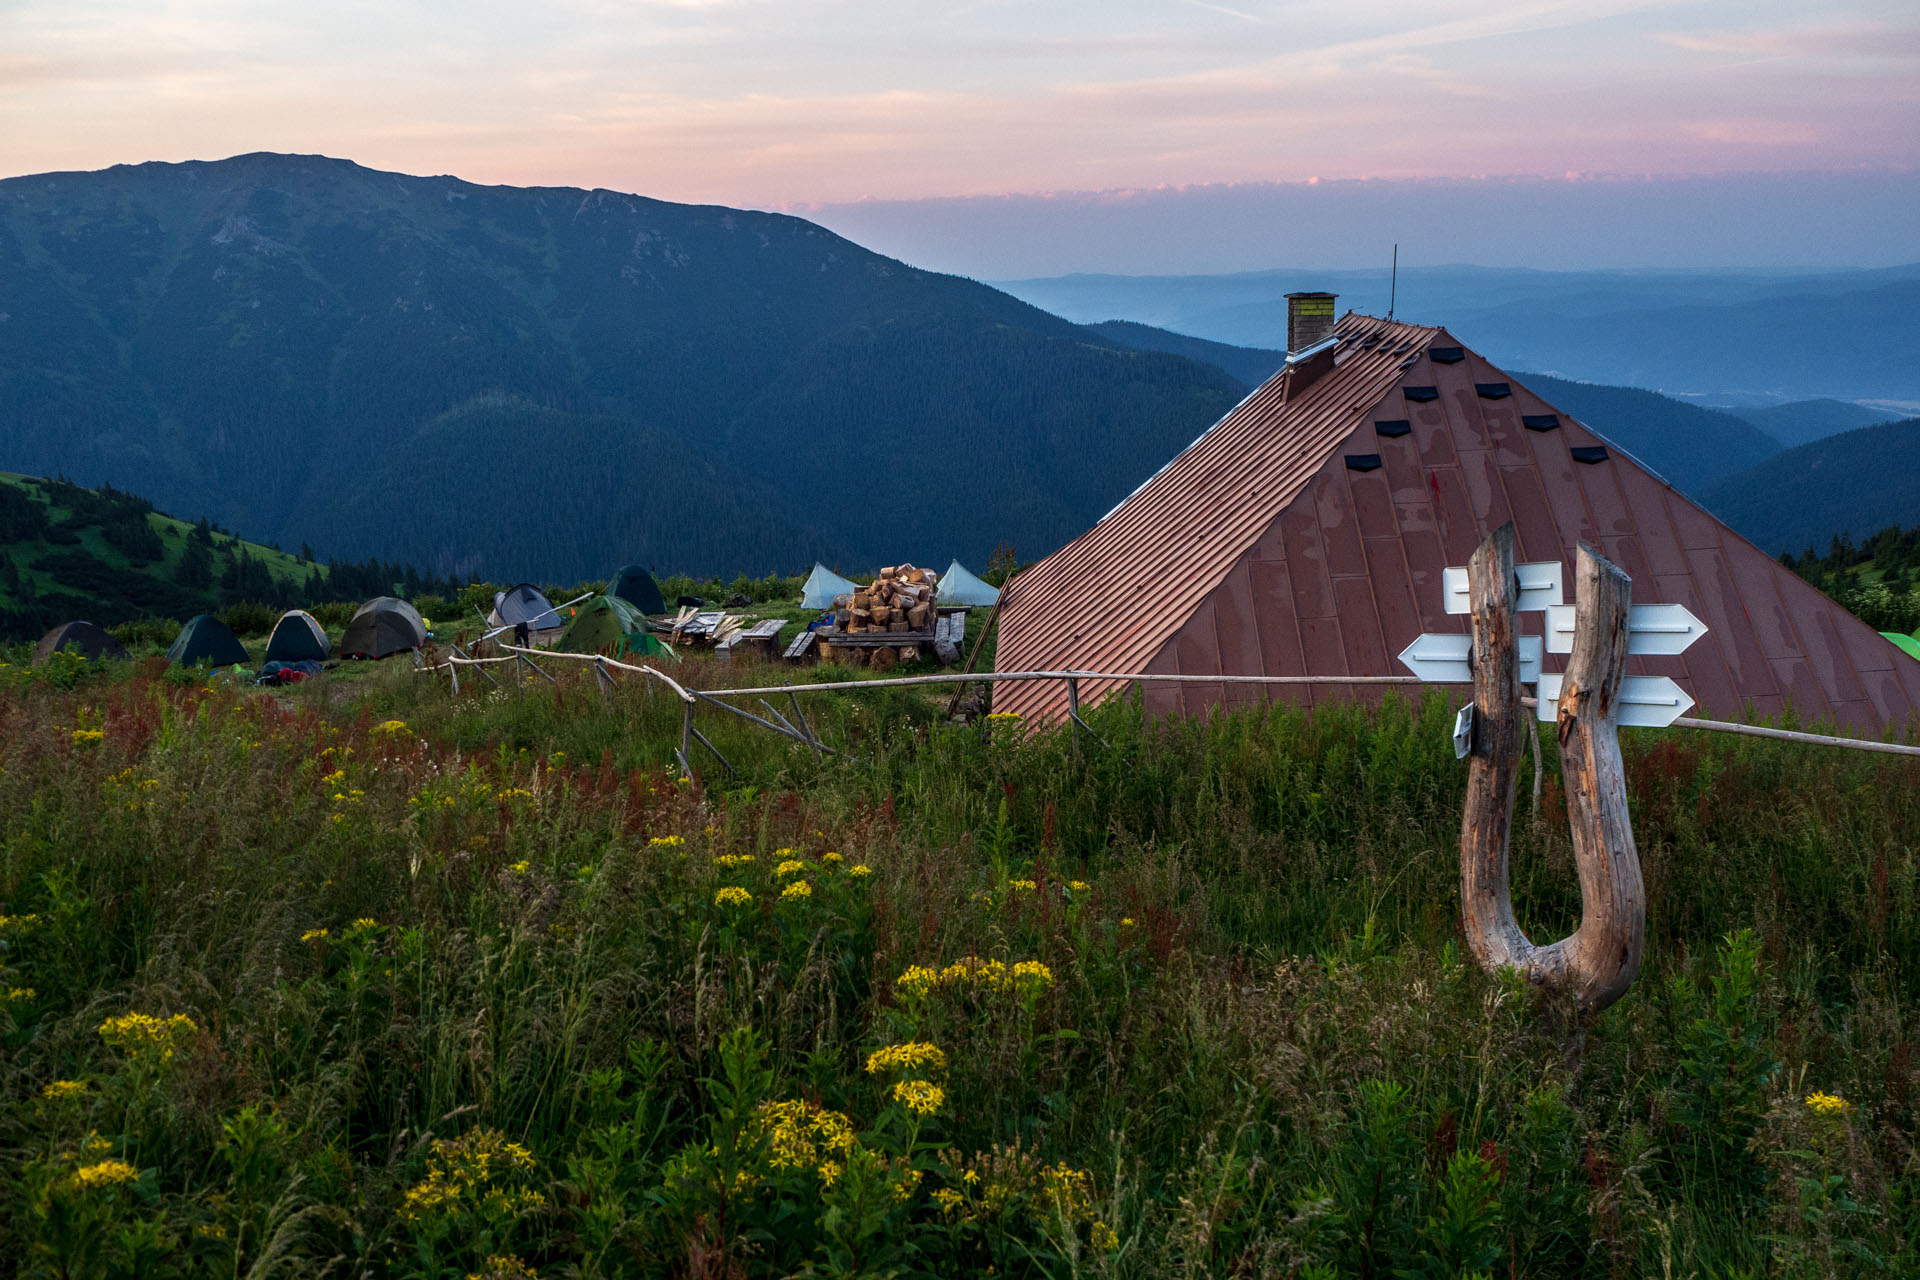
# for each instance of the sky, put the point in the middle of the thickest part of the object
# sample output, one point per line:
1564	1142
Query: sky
859	112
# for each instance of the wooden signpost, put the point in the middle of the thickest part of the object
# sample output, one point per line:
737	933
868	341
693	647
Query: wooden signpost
1588	701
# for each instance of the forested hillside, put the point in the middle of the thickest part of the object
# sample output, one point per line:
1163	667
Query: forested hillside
68	552
550	382
1853	485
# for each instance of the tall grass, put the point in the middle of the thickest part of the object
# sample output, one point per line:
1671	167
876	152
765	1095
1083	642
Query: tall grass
459	993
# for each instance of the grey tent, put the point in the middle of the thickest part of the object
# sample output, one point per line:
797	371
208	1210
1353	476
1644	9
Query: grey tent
83	638
637	587
823	584
383	626
958	586
207	639
523	602
298	637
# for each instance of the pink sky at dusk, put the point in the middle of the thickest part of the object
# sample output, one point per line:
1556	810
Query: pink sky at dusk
810	105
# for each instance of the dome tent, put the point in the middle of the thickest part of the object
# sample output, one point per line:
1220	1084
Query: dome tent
610	625
298	637
523	602
1909	645
959	586
84	638
637	587
823	584
206	639
383	626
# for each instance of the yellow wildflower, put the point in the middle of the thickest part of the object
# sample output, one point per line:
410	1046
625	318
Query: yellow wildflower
831	858
61	1089
106	1173
921	1097
392	728
1126	922
733	860
1827	1104
521	867
666	842
142	1033
733	896
915	1055
19	922
1023	886
859	870
917	981
503	1266
365	924
87	737
801	1135
798	889
19	993
791	867
314	935
1078	886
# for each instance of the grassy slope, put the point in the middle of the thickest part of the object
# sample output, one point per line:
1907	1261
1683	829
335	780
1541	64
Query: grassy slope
173	537
1256	1044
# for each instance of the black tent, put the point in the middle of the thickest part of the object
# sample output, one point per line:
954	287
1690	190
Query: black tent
83	638
205	639
298	637
383	626
637	587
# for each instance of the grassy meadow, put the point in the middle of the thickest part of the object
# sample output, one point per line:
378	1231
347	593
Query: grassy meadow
362	979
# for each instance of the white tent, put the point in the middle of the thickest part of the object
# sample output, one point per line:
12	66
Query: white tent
823	584
958	586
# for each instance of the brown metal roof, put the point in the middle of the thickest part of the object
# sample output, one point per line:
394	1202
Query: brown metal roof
1260	551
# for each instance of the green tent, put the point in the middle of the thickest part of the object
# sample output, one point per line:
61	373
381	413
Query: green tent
613	626
1908	645
637	587
298	637
206	639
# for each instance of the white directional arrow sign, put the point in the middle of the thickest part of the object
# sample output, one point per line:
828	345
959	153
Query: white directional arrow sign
1647	702
1539	587
1444	659
1651	628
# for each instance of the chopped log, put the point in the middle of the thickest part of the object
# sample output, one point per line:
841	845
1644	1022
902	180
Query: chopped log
884	659
880	615
898	625
917	616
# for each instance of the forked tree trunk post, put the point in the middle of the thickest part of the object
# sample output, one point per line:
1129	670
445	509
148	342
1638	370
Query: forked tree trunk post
1597	963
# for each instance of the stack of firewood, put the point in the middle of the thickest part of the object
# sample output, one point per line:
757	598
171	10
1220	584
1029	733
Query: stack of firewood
897	603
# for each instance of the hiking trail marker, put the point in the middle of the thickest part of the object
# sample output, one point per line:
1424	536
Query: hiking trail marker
1647	702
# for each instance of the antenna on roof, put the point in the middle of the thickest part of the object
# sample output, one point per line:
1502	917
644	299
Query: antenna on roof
1393	282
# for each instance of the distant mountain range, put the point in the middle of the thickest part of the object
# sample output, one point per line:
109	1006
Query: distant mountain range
1805	421
1718	337
550	382
1691	446
1855	483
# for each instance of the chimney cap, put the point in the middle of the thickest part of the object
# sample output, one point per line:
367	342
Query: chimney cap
1312	293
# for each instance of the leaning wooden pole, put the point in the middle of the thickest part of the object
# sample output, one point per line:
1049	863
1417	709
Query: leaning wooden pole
1493	763
1598	962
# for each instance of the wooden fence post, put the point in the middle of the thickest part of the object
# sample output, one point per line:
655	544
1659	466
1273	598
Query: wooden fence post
1598	961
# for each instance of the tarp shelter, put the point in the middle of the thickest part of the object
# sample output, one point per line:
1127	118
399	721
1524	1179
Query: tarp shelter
959	586
823	584
610	625
1908	645
298	637
207	639
637	587
382	626
523	602
1308	533
84	638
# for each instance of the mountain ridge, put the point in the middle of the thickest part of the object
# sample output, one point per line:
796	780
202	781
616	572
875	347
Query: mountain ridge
283	341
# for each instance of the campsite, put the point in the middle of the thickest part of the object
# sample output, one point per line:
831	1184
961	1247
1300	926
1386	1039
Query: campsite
905	920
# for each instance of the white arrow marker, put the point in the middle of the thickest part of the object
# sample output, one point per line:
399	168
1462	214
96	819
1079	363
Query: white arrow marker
1646	702
1445	659
1539	587
1651	628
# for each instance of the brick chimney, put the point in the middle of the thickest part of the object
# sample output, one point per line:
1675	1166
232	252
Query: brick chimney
1310	321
